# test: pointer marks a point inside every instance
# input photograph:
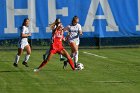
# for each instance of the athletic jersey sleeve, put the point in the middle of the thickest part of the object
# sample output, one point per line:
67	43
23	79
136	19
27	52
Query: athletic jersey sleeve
66	28
23	30
79	27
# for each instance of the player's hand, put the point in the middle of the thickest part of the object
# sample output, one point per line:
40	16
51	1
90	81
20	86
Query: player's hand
29	34
64	39
81	34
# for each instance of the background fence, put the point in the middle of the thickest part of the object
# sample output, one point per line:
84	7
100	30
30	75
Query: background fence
105	23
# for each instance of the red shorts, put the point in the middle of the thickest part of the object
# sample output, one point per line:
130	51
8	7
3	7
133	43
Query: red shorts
56	48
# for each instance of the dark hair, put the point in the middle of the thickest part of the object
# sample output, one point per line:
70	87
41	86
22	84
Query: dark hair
23	24
57	21
74	18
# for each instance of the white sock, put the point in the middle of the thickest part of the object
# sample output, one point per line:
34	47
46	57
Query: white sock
76	57
26	58
61	56
17	59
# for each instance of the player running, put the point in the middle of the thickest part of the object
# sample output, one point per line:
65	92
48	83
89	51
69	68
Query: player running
74	31
53	27
57	47
23	43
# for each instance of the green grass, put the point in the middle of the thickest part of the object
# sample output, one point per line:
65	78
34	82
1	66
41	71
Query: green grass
118	73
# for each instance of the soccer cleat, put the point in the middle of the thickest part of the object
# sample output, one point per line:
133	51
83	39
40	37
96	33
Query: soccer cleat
15	65
25	64
65	65
36	70
76	69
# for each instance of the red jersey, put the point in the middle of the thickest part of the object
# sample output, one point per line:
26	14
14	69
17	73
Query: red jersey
57	45
57	36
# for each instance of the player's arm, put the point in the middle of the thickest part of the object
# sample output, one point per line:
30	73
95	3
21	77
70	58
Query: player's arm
67	36
23	34
63	38
80	30
66	28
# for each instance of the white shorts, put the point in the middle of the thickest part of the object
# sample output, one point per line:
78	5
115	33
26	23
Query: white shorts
22	45
76	40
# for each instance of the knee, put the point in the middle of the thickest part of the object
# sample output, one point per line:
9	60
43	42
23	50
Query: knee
68	56
75	54
19	54
28	52
75	51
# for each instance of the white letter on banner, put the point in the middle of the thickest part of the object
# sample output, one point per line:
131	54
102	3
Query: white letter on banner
11	12
138	26
52	12
91	16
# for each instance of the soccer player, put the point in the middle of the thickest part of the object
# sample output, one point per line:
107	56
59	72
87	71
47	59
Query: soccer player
23	43
74	31
57	47
53	27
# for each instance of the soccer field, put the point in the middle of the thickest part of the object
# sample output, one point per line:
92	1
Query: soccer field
106	71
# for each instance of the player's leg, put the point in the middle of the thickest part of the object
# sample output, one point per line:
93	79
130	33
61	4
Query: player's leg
69	59
74	54
46	54
28	50
74	49
20	50
66	61
44	62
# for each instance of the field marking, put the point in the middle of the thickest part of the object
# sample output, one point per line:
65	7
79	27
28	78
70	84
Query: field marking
94	55
113	82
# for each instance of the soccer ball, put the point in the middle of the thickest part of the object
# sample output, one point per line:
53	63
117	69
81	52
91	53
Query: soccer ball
80	66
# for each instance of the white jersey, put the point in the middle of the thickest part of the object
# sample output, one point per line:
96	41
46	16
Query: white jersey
25	30
74	31
23	41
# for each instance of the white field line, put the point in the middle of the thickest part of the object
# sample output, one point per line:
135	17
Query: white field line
94	55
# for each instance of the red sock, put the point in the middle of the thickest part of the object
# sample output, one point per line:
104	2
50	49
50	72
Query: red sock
42	64
71	63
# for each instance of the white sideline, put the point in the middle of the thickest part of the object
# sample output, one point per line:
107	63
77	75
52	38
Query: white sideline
94	55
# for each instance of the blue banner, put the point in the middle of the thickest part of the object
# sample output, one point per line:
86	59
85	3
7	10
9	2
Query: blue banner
98	18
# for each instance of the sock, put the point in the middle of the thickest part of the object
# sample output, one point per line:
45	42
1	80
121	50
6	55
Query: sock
71	63
42	64
61	56
46	54
26	58
72	56
17	59
76	57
